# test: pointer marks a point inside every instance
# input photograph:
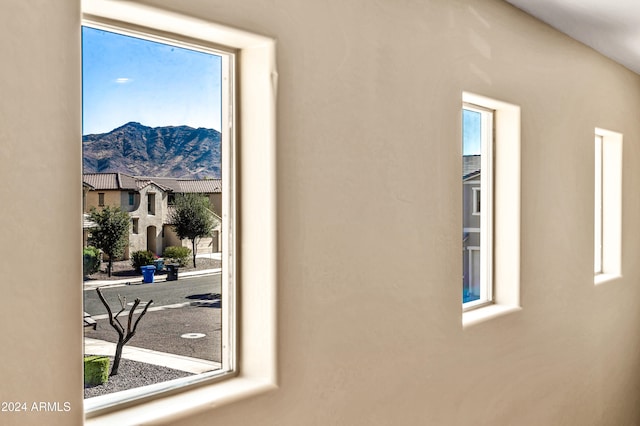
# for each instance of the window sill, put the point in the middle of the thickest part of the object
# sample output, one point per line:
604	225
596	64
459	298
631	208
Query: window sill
486	313
185	403
605	278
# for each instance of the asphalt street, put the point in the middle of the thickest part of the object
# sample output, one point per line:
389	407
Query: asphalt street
162	293
184	319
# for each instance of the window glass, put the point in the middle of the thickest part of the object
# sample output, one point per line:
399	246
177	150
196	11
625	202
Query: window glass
597	262
476	189
152	115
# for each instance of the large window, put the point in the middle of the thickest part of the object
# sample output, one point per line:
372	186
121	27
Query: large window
607	205
477	180
153	114
252	362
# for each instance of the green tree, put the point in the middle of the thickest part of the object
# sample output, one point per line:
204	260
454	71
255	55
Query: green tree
111	233
90	260
191	218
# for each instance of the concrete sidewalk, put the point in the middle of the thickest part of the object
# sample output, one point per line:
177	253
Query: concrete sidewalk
177	362
91	285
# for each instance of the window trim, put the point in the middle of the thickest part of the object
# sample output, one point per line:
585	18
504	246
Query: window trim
506	211
255	235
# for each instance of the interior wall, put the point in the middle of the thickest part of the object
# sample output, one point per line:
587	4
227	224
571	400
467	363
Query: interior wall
40	214
369	217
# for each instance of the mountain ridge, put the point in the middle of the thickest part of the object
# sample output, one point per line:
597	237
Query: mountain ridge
168	151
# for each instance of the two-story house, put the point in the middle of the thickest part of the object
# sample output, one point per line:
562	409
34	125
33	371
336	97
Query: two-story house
148	201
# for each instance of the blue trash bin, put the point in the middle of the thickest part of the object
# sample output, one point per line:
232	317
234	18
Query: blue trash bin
148	272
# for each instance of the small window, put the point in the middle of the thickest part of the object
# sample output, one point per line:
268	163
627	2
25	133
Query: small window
134	225
131	198
477	150
101	199
490	208
476	200
171	198
151	204
598	207
607	205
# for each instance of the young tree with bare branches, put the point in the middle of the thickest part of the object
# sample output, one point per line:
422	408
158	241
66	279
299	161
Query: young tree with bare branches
124	335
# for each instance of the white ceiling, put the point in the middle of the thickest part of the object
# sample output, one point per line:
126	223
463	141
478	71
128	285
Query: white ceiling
611	27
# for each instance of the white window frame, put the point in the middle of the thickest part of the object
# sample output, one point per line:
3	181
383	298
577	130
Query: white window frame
504	207
486	200
607	206
248	236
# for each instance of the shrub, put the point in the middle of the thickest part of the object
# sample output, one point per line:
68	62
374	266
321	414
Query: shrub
96	370
141	258
90	260
177	254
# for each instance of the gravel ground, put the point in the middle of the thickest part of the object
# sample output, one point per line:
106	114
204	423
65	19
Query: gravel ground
133	374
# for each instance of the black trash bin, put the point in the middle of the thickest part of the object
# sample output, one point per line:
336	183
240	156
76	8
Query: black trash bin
172	272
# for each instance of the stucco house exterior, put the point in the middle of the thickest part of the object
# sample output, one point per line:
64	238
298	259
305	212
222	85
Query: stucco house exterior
148	200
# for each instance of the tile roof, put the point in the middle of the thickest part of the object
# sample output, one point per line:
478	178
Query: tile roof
470	166
127	181
101	180
122	181
200	186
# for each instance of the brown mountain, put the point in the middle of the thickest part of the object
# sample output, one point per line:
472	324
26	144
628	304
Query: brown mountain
173	151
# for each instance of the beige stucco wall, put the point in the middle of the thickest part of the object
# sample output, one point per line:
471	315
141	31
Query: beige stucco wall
111	198
369	215
205	245
215	203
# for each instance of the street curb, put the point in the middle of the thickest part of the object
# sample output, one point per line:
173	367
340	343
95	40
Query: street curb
91	285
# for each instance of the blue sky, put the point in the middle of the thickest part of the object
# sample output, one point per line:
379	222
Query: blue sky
471	132
128	79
